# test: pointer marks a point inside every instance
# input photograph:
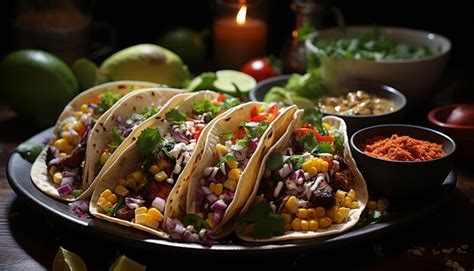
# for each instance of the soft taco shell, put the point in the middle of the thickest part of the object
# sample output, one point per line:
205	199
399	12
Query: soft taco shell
101	136
39	172
358	184
248	178
129	160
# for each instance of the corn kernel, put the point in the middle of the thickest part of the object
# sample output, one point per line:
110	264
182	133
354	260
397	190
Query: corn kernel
106	193
84	108
137	175
296	224
141	218
340	195
154	169
372	205
57	178
79	127
163	164
230	184
286	218
218	189
287	227
354	205
221	150
292	204
160	176
52	170
331	212
338	217
324	166
78	114
122	182
352	194
234	174
326	126
307	165
304	225
101	202
141	210
71	137
112	198
107	205
320	212
324	222
311	213
344	211
232	163
152	223
155	214
63	155
312	171
347	202
212	187
104	157
302	213
62	145
121	190
313	225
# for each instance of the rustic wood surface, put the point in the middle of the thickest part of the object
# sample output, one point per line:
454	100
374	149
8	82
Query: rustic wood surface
29	241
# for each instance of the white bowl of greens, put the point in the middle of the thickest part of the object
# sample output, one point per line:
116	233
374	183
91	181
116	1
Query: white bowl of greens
410	60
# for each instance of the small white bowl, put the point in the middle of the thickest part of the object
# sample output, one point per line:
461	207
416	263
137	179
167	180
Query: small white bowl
413	77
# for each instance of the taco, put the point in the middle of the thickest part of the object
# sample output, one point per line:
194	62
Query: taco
224	179
310	186
135	189
117	131
59	170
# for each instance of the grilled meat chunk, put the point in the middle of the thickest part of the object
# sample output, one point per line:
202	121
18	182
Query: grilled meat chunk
323	195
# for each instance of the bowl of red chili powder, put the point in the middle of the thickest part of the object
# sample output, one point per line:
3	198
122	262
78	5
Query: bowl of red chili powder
403	161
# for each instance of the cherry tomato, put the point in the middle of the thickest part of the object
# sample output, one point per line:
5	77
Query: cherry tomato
259	68
319	137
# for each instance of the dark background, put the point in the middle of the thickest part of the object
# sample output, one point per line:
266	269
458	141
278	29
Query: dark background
141	21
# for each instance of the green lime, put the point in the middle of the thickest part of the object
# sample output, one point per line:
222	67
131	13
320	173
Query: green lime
86	73
123	263
37	85
227	80
68	261
186	43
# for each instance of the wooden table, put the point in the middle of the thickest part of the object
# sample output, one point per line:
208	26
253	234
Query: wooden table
29	241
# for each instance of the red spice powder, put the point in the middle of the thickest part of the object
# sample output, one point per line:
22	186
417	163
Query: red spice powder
402	148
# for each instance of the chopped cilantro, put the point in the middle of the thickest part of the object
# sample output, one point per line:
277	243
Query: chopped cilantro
206	106
117	138
175	116
229	102
146	112
339	141
225	158
276	161
107	100
150	142
314	116
113	210
266	222
296	161
224	136
309	143
76	192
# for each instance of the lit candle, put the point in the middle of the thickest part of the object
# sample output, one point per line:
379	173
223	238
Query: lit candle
238	39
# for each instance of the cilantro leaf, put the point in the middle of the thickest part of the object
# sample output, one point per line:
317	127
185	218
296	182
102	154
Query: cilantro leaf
224	136
275	161
266	222
229	102
150	142
113	210
76	192
146	112
314	116
309	143
296	161
324	147
175	116
117	138
225	158
107	100
339	141
255	129
206	106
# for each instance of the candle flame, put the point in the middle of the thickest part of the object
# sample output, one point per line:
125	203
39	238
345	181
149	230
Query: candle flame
240	19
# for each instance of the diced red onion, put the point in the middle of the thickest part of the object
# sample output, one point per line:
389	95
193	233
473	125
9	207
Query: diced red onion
206	190
199	196
219	205
212	198
127	132
70	172
64	190
252	146
80	208
217	217
55	161
133	203
178	136
170	225
159	203
296	175
67	181
228	196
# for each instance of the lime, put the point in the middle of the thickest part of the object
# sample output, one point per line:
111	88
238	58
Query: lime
86	73
126	264
302	102
227	80
68	261
37	85
186	43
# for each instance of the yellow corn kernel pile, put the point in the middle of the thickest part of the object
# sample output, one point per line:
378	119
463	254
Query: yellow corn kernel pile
232	163
63	145
160	176
315	165
107	199
135	179
216	188
347	199
148	217
121	190
221	150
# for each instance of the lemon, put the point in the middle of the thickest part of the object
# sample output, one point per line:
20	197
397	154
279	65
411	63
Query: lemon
37	85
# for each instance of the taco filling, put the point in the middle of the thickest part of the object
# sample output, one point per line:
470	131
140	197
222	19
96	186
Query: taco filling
66	153
306	186
219	182
140	196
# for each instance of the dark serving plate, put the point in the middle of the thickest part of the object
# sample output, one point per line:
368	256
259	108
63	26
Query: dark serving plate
18	173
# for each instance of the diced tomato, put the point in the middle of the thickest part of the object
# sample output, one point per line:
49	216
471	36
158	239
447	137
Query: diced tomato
189	119
93	100
198	132
221	98
330	163
253	112
319	137
239	134
273	109
259	118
